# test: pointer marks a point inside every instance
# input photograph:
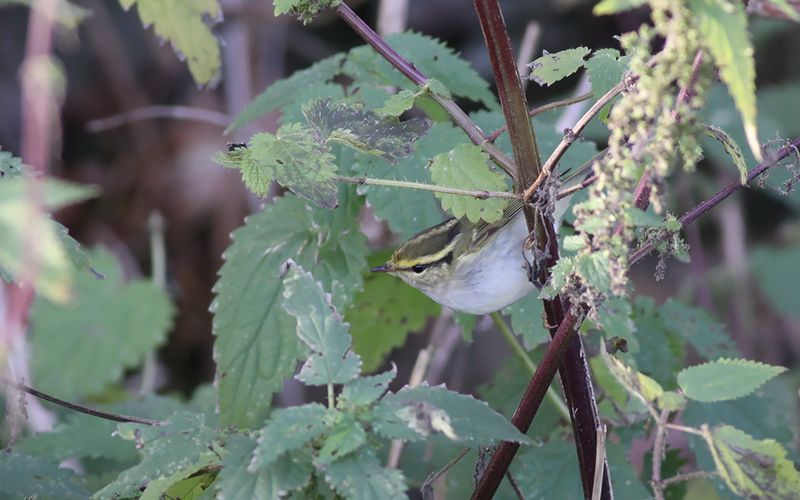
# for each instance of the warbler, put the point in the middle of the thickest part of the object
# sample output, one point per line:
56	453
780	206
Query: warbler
476	268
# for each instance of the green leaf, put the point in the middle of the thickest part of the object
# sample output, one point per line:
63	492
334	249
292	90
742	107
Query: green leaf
776	272
361	477
637	384
40	478
431	56
605	69
467	323
184	23
319	326
289	429
725	379
733	149
305	10
551	68
383	315
292	157
256	345
460	417
10	165
548	471
346	436
465	167
753	468
408	211
527	320
21	221
170	453
398	103
96	329
663	355
436	87
236	481
724	26
671	400
191	488
606	7
698	329
614	317
286	92
594	269
366	390
364	131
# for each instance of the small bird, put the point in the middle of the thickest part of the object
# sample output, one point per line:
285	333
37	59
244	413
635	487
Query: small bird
476	268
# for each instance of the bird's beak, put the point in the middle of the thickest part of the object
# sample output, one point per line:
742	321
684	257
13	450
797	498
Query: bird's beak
382	269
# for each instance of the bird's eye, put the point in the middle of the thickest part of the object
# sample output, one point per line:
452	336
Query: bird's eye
418	268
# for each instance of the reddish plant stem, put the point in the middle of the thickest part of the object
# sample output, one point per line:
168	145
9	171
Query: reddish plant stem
574	370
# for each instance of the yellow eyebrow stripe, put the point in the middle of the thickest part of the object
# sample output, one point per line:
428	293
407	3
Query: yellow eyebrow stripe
426	259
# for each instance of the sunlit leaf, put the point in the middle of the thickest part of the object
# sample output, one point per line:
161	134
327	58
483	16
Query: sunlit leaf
725	379
551	68
606	7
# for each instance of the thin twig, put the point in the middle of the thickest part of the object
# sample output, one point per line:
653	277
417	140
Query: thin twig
116	417
659	448
410	71
542	109
427	484
526	360
514	485
527	47
158	273
151	112
683	428
687	476
599	463
480	195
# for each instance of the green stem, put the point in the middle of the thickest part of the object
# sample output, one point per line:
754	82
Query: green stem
158	273
331	400
481	195
520	352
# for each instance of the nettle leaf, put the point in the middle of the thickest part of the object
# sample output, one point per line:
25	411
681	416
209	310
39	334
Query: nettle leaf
184	23
606	7
23	476
698	329
423	409
605	69
398	103
345	436
170	453
527	320
361	477
624	478
733	149
593	268
289	429
724	25
384	314
637	384
237	480
431	56
777	273
366	390
305	10
364	131
286	92
550	68
97	330
293	157
548	471
191	488
22	221
753	468
614	316
465	167
408	211
256	345
320	327
671	400
725	379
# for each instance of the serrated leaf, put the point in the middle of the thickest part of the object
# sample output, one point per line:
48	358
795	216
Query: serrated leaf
460	417
366	390
465	167
184	23
286	92
614	317
289	429
548	471
293	157
346	436
671	400
305	10
364	131
527	320
97	330
191	488
550	68
777	273
637	384
236	482
725	379
398	103
256	345
733	149
384	314
431	56
23	476
698	329
605	69
361	477
408	211
594	269
170	453
320	327
753	468
606	7
724	26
